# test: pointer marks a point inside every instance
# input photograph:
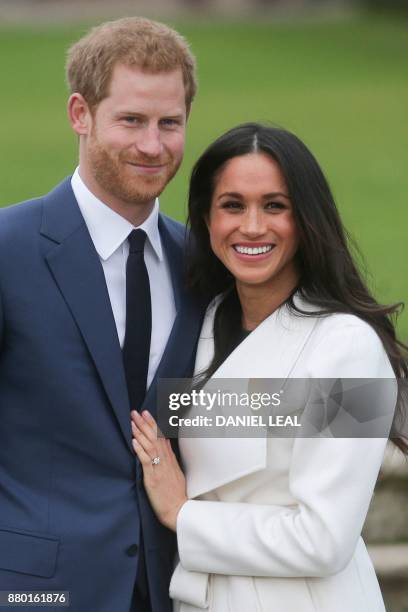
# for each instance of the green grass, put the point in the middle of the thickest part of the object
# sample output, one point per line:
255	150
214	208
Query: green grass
341	86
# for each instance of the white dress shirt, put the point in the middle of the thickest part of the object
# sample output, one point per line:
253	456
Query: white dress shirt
109	232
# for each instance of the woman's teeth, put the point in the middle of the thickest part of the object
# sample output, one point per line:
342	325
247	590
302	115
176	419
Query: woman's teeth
253	250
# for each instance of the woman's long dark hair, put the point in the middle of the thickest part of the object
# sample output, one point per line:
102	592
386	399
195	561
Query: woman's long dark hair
328	275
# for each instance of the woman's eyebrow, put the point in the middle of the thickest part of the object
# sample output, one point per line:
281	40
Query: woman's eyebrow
230	194
235	194
273	194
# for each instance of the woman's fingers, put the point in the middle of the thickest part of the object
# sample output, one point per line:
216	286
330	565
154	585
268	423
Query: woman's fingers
147	417
144	442
142	455
148	427
144	431
164	480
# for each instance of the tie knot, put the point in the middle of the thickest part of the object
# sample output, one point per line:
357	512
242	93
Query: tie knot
137	239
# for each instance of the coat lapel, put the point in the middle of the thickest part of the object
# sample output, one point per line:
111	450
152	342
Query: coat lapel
270	351
76	268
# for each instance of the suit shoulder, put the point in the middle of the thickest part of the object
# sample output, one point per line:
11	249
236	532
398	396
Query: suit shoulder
18	217
178	229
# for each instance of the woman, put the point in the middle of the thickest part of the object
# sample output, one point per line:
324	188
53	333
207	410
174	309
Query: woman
273	525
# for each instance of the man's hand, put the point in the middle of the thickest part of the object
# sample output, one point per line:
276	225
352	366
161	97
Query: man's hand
163	479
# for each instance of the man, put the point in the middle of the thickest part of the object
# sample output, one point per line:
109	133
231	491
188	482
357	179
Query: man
92	312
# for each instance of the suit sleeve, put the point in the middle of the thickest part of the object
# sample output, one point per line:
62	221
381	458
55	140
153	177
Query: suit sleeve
1	319
332	481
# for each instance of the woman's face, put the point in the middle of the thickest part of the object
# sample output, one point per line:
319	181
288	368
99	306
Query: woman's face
251	225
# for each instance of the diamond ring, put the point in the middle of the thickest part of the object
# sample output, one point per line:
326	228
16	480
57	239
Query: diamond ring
156	461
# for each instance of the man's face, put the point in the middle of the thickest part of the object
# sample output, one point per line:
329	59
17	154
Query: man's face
136	140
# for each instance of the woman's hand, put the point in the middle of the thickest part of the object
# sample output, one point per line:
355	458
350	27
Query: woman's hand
163	479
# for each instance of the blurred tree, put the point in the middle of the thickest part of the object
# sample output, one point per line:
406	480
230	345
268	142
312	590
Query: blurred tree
387	5
300	4
199	4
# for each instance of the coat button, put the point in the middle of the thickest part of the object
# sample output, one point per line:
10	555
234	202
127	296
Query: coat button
132	550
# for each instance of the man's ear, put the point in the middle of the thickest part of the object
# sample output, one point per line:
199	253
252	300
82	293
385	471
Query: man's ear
79	114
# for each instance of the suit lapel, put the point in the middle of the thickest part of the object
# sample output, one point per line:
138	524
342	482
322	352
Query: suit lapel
77	270
178	357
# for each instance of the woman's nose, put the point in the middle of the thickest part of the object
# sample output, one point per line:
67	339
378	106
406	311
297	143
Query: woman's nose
253	224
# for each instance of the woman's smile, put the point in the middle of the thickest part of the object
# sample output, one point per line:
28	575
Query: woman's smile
251	224
253	251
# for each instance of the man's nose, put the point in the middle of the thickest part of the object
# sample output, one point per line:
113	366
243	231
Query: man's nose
149	142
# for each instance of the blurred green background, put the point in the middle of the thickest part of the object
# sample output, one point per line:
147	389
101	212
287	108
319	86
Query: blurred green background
342	86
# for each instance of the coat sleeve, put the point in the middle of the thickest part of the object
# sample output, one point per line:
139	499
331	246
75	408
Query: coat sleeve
332	481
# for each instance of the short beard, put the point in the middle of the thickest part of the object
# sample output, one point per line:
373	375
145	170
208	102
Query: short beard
110	176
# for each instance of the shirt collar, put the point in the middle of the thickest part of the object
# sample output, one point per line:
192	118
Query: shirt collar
107	228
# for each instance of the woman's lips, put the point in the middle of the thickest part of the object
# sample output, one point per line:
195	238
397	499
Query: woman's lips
253	252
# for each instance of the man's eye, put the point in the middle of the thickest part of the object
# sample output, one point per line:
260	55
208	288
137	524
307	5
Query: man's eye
131	120
170	122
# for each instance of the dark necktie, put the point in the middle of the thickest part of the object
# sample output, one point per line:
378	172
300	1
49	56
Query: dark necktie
136	348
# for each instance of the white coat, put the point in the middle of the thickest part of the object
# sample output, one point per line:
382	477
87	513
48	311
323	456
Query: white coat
274	525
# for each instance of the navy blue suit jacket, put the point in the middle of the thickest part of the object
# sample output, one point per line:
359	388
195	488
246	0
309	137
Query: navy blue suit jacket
72	503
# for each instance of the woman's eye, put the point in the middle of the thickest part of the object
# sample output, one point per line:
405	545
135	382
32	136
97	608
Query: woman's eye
275	206
232	205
